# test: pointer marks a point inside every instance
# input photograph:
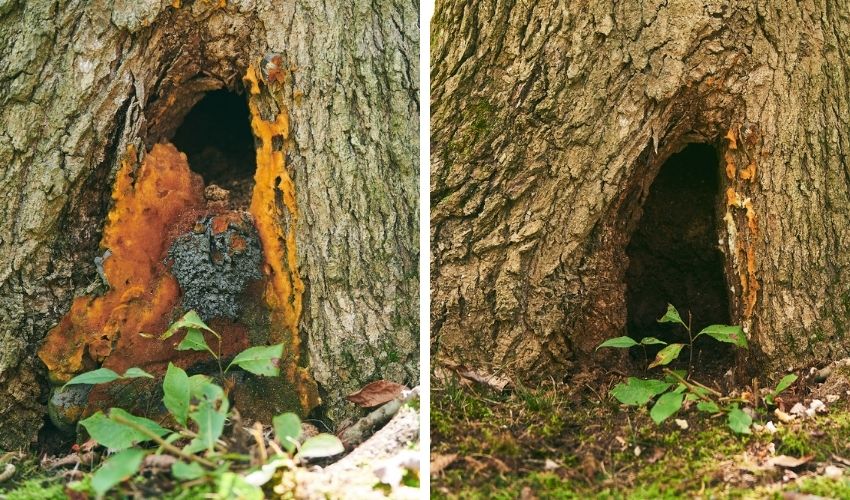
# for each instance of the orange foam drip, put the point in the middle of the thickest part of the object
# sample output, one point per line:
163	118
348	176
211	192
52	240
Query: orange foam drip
746	248
142	293
284	287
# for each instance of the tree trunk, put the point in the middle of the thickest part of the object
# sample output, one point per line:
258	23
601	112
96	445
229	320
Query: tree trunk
550	122
84	85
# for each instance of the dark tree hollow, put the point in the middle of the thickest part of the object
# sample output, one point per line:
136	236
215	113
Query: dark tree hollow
674	256
216	137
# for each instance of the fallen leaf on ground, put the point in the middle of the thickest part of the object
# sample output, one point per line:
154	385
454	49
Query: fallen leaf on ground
502	466
376	393
656	455
440	462
527	494
494	381
833	472
788	462
550	465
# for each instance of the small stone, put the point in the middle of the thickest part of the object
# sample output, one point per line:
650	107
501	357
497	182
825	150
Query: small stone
66	406
769	427
833	472
683	424
637	451
798	410
816	406
831	398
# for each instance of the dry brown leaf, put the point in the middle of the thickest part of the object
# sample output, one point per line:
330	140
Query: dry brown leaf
788	462
443	375
527	494
494	381
476	465
440	462
657	454
376	393
502	466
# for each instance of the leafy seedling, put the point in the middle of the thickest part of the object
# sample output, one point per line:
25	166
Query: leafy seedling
199	408
783	384
675	390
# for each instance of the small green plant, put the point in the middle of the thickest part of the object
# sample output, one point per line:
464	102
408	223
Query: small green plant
200	409
676	389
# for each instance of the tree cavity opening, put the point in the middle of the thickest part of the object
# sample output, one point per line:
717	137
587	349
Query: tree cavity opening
674	257
217	140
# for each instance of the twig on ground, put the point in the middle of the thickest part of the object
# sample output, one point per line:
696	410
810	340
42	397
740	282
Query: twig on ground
358	432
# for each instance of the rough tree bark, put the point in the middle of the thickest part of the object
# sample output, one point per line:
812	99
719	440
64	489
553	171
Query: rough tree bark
550	121
81	82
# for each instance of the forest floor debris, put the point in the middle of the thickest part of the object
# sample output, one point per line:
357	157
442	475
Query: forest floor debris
572	440
382	466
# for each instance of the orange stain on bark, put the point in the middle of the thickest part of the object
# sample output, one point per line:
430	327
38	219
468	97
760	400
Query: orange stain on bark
275	210
748	173
746	248
147	202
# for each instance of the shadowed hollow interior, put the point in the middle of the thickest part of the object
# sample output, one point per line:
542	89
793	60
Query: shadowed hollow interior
674	256
216	137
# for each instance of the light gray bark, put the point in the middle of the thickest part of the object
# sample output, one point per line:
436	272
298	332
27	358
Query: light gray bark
81	81
550	121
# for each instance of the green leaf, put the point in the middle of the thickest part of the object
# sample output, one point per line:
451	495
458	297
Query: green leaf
186	472
321	445
99	376
261	360
175	389
666	355
739	421
708	407
117	413
619	343
197	384
189	320
726	333
671	316
783	384
231	485
116	469
117	436
287	427
637	392
135	372
194	341
674	380
652	341
202	387
210	424
667	405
